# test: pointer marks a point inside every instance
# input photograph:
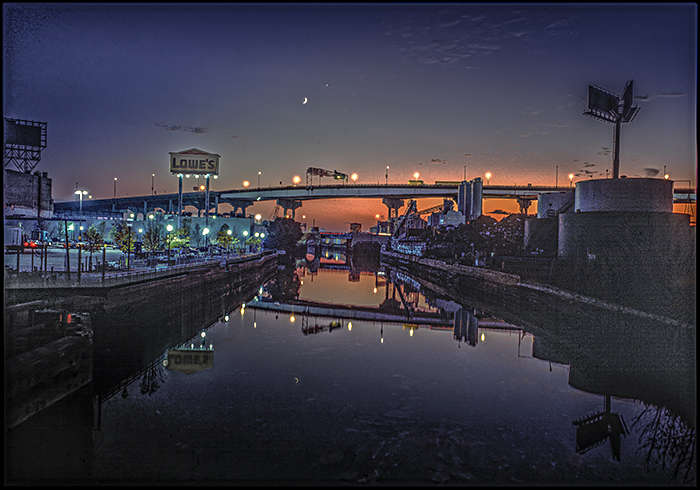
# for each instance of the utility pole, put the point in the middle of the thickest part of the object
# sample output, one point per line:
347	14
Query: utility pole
556	177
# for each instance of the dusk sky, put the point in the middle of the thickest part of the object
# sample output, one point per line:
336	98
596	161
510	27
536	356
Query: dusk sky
409	85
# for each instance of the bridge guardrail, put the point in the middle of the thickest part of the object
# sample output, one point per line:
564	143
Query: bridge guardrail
94	279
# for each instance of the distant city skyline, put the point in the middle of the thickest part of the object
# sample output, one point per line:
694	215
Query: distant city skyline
277	88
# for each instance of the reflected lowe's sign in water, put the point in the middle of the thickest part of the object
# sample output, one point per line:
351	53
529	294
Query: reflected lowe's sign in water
189	361
194	161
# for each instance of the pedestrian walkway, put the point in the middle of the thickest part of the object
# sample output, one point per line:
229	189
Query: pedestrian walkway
35	280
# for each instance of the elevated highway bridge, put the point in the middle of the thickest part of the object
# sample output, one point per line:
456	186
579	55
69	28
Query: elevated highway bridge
291	197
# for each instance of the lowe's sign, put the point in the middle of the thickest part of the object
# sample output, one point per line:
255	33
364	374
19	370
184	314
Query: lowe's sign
194	161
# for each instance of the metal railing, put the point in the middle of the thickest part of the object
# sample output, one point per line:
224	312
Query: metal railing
31	280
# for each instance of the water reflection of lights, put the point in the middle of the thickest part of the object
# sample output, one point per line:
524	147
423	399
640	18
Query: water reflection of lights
410	333
255	324
349	326
375	291
204	334
226	318
483	336
292	319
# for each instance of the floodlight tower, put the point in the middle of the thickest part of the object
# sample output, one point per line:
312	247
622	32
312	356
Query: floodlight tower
609	107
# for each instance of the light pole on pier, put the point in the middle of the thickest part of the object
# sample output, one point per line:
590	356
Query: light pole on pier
115	187
169	228
153	181
386	176
81	194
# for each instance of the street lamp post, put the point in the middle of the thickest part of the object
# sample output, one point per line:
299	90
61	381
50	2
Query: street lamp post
169	228
466	159
386	176
259	174
205	232
153	177
81	194
128	247
488	177
571	180
115	187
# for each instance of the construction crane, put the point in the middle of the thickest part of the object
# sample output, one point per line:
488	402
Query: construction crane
410	208
322	172
431	210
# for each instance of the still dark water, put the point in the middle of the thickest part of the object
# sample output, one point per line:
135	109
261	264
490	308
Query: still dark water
448	395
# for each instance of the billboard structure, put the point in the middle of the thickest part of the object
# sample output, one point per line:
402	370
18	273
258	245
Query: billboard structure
194	162
608	107
23	141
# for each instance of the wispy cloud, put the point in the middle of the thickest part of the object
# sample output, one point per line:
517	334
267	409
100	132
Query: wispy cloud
453	35
178	127
662	95
558	23
651	172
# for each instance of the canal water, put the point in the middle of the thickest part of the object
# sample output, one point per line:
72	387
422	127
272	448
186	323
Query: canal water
303	383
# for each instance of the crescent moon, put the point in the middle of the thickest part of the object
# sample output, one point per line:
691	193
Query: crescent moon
305	100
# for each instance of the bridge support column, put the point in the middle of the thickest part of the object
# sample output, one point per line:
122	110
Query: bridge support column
393	204
292	204
524	204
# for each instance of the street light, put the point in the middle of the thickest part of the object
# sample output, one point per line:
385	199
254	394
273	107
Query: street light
81	194
354	177
259	174
115	187
258	217
150	216
488	176
386	176
153	176
169	228
296	179
246	183
571	180
416	175
667	176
